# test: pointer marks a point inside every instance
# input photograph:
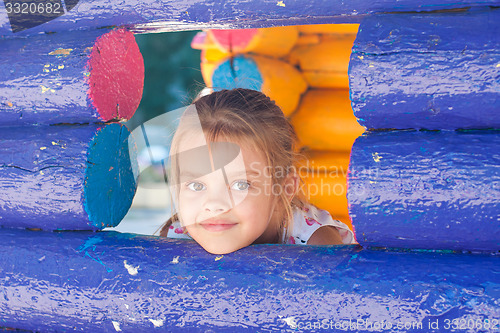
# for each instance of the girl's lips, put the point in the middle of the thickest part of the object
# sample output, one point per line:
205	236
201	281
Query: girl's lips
215	226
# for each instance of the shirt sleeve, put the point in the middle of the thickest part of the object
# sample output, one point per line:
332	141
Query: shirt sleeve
310	219
177	231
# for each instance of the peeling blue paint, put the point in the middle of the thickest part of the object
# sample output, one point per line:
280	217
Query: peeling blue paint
196	14
427	71
432	190
252	289
47	174
91	244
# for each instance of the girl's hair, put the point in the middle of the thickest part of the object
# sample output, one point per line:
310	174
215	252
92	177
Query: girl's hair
249	117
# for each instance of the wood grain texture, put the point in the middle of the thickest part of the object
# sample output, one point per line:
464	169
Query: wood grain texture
155	15
100	281
432	190
78	77
436	71
65	177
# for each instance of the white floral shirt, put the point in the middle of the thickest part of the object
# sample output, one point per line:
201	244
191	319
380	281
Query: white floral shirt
306	221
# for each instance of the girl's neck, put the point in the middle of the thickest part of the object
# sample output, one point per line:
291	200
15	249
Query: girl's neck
272	234
268	237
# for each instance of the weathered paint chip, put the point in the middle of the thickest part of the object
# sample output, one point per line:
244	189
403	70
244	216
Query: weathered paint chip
61	52
131	269
157	323
376	157
44	89
290	321
116	325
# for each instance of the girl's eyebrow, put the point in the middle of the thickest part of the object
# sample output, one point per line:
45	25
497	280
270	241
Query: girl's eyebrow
245	173
190	175
193	175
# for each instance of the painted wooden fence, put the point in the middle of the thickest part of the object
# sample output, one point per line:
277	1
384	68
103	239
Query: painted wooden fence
432	190
65	177
112	282
105	281
154	16
427	71
76	77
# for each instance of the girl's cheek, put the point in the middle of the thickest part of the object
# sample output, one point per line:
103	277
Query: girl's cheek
239	196
255	196
186	193
251	195
189	200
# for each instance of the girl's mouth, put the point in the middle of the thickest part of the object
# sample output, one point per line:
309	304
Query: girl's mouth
217	225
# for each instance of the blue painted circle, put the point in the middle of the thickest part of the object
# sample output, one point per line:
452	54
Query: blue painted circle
242	72
109	180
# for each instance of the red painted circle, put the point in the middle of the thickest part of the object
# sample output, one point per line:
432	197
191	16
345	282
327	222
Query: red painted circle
116	75
234	40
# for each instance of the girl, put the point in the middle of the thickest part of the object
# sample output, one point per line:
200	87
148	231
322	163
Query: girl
233	179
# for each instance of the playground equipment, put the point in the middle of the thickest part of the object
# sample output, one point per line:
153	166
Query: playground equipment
446	80
75	77
420	201
65	177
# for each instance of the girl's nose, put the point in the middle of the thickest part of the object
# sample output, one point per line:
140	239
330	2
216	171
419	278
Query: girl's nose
217	200
217	205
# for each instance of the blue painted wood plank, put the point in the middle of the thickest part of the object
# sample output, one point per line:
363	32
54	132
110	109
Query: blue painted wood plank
436	71
431	190
78	77
177	14
107	281
65	177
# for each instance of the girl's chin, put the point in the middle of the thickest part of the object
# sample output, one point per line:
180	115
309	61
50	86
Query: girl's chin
219	242
219	248
219	252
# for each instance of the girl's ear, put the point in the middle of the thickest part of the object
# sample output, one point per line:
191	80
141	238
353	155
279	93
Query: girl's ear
291	185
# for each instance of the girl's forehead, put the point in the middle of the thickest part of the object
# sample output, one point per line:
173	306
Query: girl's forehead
194	149
196	139
191	139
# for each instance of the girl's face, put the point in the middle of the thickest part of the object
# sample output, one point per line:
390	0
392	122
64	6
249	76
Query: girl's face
225	195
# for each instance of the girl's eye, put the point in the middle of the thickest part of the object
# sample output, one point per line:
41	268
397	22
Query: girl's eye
240	185
196	186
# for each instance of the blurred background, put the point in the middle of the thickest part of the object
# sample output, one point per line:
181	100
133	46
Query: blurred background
304	69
